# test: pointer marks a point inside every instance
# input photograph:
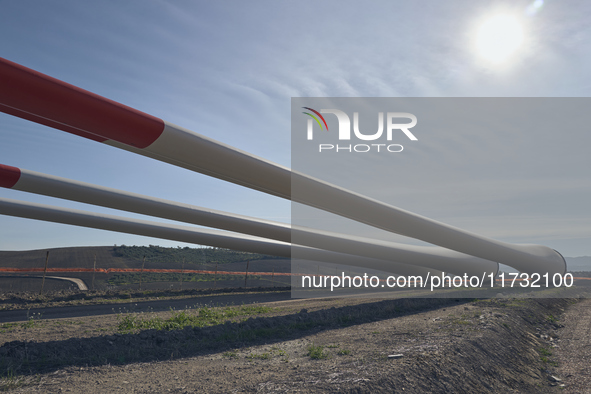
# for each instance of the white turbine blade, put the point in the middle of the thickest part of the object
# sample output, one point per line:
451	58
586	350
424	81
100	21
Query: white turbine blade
432	257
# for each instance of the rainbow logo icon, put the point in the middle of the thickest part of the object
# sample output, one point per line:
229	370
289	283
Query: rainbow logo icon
315	118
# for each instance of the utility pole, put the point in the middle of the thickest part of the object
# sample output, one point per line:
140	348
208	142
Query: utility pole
142	271
44	272
215	276
182	270
246	274
94	271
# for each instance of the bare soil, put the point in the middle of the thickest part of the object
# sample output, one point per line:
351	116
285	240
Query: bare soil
310	346
571	347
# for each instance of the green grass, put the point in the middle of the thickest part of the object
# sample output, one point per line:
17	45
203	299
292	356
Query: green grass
67	322
262	356
30	323
273	352
545	352
10	381
317	352
7	327
545	355
202	317
344	352
189	255
279	352
150	277
551	319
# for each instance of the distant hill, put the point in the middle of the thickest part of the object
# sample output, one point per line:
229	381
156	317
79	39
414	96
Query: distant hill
129	257
79	257
582	263
159	257
156	257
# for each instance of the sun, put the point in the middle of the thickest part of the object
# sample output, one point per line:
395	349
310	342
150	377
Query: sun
499	38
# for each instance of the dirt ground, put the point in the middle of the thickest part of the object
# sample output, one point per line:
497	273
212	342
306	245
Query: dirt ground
572	348
314	346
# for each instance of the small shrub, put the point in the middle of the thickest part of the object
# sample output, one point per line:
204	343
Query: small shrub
263	356
278	352
545	355
317	352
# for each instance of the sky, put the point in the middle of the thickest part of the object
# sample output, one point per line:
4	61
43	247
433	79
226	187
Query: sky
228	70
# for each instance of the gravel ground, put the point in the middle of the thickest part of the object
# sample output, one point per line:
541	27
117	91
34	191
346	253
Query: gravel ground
572	348
314	346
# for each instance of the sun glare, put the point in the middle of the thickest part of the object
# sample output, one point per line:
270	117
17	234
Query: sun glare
499	38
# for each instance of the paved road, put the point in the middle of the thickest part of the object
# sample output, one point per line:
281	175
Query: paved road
573	353
79	282
158	305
